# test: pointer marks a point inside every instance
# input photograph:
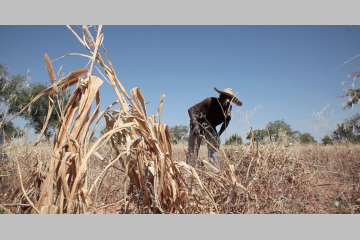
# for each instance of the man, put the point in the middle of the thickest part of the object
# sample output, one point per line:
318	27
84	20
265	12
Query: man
204	117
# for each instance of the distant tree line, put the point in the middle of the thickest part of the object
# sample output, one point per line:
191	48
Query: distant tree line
274	131
277	130
347	131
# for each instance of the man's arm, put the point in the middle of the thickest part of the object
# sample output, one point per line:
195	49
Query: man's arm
224	125
193	117
194	114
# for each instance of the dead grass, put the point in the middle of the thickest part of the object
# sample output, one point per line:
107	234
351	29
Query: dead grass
300	179
281	179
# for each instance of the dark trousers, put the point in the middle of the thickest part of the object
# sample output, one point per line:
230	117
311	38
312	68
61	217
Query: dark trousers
193	149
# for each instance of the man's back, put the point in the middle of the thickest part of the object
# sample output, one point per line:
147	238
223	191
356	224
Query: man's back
212	111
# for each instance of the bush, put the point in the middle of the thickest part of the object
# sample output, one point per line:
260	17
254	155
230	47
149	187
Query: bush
234	139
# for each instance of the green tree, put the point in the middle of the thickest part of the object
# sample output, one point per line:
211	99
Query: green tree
280	126
259	135
177	133
234	139
36	113
306	138
9	87
353	95
8	90
348	130
326	140
9	131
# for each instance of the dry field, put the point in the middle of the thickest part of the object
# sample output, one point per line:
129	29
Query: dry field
276	178
133	168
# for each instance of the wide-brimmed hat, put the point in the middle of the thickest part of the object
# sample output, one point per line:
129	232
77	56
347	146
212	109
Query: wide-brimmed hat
229	92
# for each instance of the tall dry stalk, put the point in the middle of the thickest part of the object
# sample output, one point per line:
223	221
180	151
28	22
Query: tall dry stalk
146	158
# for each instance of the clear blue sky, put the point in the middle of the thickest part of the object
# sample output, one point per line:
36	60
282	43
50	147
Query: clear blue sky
279	72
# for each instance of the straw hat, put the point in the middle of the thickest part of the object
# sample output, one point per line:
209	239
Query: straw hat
229	92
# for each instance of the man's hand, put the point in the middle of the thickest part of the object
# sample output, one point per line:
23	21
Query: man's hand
217	136
196	131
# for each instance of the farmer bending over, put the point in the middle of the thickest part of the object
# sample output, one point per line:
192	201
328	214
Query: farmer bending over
204	117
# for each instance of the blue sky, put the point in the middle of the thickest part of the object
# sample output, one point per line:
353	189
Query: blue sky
279	72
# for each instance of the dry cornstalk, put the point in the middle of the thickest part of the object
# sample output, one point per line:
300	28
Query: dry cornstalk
146	143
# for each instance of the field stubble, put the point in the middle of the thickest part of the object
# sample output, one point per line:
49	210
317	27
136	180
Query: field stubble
278	179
